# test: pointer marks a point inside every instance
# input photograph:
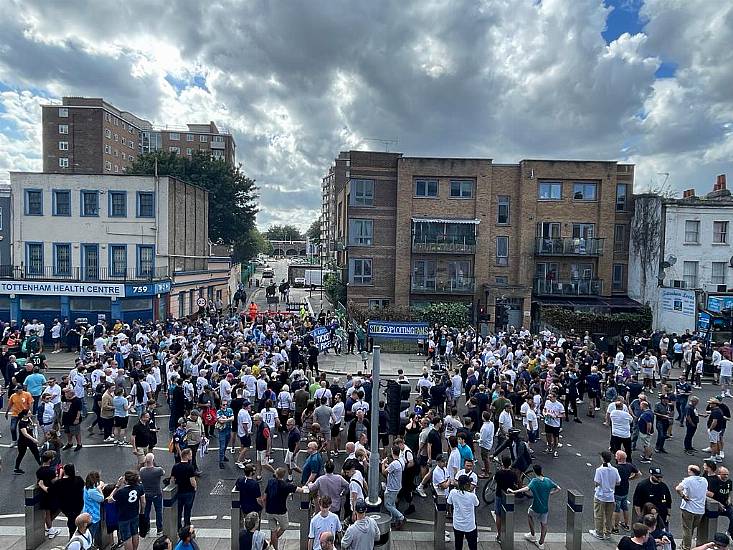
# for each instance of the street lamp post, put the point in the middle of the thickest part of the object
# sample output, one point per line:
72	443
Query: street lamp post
373	500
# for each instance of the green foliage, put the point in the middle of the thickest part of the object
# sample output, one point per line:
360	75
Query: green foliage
362	314
609	324
232	195
314	232
283	233
250	245
334	287
453	314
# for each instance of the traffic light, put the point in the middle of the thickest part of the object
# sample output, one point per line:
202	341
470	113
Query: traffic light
398	400
483	315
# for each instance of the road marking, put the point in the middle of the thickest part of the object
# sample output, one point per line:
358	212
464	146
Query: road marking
220	489
12	516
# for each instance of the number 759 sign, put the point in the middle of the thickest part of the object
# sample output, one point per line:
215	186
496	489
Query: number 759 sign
148	289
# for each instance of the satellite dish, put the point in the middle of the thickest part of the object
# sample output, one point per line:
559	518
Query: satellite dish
730	262
672	260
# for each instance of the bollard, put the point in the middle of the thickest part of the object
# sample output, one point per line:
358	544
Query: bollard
384	522
439	523
709	523
104	539
170	511
574	525
305	520
34	518
236	520
507	523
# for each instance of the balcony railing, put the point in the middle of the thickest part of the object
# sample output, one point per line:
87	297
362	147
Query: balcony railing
574	287
568	247
101	274
447	245
457	285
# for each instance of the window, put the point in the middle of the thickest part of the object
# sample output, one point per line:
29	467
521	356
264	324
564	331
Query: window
117	168
426	188
123	141
361	271
717	273
689	274
621	197
619	238
62	259
138	304
90	203
33	202
34	258
63	162
117	204
63	145
107	149
618	276
89	304
116	121
62	203
583	230
502	280
424	274
90	261
145	204
189	137
502	251
461	189
107	165
361	232
203	139
217	139
145	260
217	154
720	232
692	231
189	151
118	260
117	153
63	112
550	190
584	191
378	303
362	192
174	149
502	211
174	136
117	137
107	133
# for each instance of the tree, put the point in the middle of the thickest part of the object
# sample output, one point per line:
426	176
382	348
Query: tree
250	245
232	195
646	237
314	232
283	233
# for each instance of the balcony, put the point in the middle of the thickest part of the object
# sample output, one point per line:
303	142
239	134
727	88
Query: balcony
444	245
568	247
457	285
576	287
78	274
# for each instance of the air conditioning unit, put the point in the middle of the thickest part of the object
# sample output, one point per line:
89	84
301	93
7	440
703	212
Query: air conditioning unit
721	288
678	283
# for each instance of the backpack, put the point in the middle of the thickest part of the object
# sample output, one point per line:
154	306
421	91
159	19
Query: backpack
208	416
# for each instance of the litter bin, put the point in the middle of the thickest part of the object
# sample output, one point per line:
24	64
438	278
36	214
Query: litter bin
384	522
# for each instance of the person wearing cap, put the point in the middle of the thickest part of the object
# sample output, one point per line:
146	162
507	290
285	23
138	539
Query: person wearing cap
655	491
693	491
716	425
363	533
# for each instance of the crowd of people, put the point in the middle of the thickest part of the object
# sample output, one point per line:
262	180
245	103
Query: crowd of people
250	384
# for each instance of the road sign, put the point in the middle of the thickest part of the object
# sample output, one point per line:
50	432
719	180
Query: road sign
201	302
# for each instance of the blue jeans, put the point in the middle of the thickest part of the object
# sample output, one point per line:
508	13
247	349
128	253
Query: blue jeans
390	503
14	428
223	442
185	505
661	434
156	501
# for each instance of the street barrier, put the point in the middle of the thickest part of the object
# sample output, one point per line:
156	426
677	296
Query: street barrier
34	518
170	511
236	521
439	523
507	523
574	525
709	523
305	520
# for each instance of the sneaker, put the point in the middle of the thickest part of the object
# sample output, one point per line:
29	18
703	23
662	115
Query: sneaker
221	465
77	448
541	546
271	460
53	532
598	408
625	526
421	491
18	471
13	444
66	447
109	439
706	450
614	531
578	420
555	455
530	537
645	460
239	465
596	534
722	454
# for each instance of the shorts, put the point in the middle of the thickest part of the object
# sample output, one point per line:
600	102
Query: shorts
262	457
245	441
645	439
128	528
278	521
74	429
713	436
289	460
326	435
498	503
422	460
621	503
540	518
335	430
120	422
725	380
552	430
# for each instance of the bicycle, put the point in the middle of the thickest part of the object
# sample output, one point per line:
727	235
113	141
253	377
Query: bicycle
489	491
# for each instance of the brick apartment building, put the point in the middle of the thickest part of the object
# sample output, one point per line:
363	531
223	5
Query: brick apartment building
90	136
412	230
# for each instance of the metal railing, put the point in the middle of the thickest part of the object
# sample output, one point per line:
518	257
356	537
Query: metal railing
569	287
448	245
568	247
439	285
100	274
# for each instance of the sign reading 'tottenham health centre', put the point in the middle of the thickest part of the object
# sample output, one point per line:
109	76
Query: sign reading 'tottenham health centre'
59	288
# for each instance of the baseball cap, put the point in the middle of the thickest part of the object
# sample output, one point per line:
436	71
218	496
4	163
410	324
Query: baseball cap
656	472
721	539
360	506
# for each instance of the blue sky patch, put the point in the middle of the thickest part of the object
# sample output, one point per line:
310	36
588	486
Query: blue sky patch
180	84
624	17
666	70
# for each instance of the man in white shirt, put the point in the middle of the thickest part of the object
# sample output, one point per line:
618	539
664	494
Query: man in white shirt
621	421
323	521
726	371
692	490
441	478
553	412
486	443
506	421
244	427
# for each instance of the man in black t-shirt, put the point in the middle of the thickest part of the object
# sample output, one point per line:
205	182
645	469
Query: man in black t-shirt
627	472
435	442
505	478
653	490
719	488
716	426
130	498
250	496
276	503
184	477
71	418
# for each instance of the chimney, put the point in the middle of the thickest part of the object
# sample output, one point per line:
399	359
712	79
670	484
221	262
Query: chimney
720	183
688	193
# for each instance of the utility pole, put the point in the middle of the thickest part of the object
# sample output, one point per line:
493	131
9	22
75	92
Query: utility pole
373	500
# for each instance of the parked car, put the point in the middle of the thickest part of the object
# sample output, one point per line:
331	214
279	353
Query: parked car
299	282
268	273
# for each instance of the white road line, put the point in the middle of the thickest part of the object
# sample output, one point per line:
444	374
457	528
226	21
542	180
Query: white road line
12	516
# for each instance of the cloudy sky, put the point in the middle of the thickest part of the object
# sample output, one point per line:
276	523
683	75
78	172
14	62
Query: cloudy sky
649	82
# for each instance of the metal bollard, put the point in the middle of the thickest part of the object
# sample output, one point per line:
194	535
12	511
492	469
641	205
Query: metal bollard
709	523
34	518
236	520
170	511
439	523
384	522
104	540
507	523
305	519
574	525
